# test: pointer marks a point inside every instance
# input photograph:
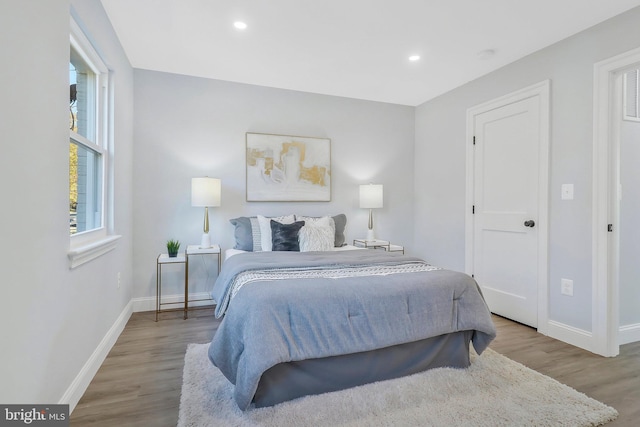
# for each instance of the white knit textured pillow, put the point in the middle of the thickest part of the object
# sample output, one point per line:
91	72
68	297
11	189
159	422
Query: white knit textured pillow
322	221
255	234
316	238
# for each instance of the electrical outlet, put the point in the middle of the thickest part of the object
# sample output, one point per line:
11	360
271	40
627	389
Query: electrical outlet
566	287
119	280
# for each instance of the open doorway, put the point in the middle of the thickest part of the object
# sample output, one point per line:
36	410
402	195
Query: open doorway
607	208
629	206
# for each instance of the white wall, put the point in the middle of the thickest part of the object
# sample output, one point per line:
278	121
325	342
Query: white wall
53	318
629	218
440	158
188	127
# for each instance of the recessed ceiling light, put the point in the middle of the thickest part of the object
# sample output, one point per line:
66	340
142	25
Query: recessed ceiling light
414	58
240	25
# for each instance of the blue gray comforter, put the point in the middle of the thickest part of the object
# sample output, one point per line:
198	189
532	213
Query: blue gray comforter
293	306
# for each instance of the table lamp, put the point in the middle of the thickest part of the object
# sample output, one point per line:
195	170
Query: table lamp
371	198
205	192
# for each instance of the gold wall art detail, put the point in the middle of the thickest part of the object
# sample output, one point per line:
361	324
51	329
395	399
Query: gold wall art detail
287	168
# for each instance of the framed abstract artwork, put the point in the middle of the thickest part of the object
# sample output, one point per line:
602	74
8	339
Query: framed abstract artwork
286	168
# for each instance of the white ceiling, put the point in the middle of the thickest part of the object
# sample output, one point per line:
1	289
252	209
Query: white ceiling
351	48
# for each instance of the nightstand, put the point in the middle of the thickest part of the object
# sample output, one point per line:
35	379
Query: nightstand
377	244
396	248
195	250
163	260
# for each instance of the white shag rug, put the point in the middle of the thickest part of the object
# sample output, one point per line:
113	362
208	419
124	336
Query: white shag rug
493	391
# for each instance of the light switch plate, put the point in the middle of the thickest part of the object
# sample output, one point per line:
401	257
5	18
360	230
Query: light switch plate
566	287
567	191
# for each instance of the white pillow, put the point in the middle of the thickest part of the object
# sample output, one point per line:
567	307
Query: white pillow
255	234
318	234
323	221
313	238
265	229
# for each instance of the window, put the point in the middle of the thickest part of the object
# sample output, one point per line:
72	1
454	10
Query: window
89	116
88	80
632	95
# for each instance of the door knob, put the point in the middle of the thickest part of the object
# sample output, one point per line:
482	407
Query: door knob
529	223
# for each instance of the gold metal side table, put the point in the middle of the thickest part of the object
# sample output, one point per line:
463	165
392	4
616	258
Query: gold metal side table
197	250
378	244
371	244
164	259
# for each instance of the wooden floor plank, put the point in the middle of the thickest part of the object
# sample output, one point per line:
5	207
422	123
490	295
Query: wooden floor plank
139	383
612	380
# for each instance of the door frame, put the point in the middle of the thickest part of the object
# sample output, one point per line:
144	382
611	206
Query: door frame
605	203
542	90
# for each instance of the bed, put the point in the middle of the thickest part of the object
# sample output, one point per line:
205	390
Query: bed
300	323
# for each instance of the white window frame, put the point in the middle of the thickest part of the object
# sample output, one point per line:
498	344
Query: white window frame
635	99
87	245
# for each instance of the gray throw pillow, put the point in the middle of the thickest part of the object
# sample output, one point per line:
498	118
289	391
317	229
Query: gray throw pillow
340	222
243	233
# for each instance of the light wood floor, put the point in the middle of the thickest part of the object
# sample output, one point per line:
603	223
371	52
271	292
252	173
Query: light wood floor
139	382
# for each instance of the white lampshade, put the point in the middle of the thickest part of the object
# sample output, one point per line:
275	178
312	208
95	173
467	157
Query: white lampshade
371	196
205	191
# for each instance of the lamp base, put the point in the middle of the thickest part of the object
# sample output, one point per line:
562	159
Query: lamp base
205	242
371	236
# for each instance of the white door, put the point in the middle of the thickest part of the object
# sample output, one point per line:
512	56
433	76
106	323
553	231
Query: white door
505	207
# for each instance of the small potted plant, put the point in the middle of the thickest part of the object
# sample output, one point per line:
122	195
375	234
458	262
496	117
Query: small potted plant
173	246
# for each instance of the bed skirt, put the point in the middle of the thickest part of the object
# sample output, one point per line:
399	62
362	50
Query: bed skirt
287	381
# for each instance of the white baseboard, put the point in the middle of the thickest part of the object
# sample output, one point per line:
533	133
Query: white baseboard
570	335
629	333
83	379
149	303
79	385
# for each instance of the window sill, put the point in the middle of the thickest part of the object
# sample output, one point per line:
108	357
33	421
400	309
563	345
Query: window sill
86	253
